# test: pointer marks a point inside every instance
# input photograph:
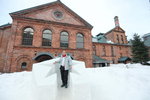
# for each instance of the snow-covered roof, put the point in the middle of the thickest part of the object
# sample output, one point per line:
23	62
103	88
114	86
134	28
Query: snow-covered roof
145	35
94	39
146	38
109	41
97	59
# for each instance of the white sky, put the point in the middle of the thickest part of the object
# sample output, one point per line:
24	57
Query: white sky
134	15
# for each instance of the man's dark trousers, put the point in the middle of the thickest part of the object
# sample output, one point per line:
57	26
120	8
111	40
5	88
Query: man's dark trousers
64	75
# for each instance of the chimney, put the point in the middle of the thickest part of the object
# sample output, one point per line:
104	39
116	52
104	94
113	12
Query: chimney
116	21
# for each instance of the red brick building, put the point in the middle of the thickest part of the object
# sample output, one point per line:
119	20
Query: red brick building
112	46
42	32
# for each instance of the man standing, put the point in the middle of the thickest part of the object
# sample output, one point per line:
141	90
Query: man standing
65	65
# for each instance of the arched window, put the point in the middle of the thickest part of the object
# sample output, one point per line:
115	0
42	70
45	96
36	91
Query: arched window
118	38
80	41
122	39
47	38
112	51
64	39
27	36
104	51
23	65
94	50
120	55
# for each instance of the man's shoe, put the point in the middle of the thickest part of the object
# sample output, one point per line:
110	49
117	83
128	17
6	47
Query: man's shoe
66	86
62	85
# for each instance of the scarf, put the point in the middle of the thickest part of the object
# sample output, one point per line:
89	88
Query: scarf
64	55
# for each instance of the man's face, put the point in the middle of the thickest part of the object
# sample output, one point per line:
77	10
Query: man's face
64	53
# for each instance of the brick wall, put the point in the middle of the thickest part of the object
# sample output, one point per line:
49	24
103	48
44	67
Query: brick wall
118	51
17	53
5	35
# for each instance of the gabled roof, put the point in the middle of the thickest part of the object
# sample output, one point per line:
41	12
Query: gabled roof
28	10
116	29
97	59
124	59
5	26
58	2
100	34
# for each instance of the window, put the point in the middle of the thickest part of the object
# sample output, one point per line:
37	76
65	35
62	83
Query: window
112	51
127	52
120	48
122	39
27	36
64	39
80	41
118	38
24	65
104	51
94	50
120	54
47	38
113	60
58	14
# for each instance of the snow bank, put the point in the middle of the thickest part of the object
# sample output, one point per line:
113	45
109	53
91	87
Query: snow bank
121	83
118	82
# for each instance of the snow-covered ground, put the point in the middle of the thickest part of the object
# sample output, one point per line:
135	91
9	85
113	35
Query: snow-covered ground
117	82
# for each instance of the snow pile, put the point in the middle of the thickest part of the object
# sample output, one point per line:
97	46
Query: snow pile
121	83
118	82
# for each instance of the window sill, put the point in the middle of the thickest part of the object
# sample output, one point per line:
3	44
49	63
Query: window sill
26	45
80	48
49	47
46	47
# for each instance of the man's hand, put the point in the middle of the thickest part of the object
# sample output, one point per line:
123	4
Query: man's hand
55	62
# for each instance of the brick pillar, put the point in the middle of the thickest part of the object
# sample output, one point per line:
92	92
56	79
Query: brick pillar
56	39
37	37
88	45
10	47
72	40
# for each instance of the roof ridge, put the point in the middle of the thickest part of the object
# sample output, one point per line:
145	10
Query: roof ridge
82	20
24	11
16	12
113	29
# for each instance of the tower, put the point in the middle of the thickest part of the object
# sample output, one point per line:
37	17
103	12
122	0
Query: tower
116	20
